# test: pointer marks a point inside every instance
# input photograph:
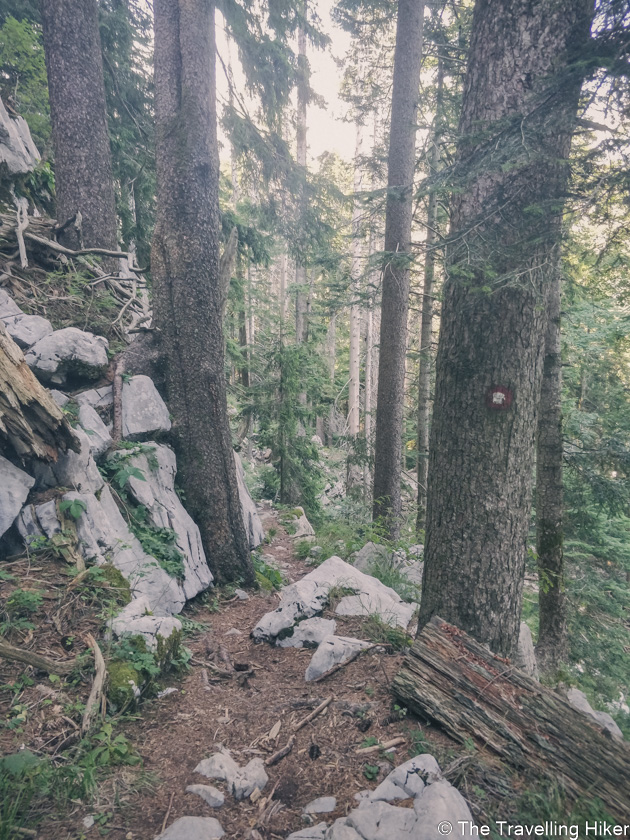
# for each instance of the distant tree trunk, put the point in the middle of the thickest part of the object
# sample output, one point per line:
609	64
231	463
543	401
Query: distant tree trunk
189	291
301	292
552	647
354	384
367	394
395	305
518	116
331	350
426	328
83	166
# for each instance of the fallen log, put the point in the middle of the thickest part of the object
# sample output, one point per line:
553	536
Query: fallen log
41	663
470	692
30	420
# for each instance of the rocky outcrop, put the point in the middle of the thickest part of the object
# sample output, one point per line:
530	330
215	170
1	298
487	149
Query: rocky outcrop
333	650
144	412
68	355
27	330
17	150
253	526
14	487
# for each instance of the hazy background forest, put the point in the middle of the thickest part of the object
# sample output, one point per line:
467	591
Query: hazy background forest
329	359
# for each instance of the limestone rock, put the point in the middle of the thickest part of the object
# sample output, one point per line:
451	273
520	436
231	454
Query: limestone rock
332	651
369	555
525	657
248	778
165	510
308	596
221	765
74	470
59	397
251	520
407	780
314	832
210	795
17	149
135	620
8	307
68	354
578	700
99	437
14	487
303	527
96	397
27	330
309	633
193	828
322	805
144	412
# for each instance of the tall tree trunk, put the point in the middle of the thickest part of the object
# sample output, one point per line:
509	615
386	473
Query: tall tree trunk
189	291
354	384
518	115
426	328
395	305
301	292
83	166
331	351
552	647
367	393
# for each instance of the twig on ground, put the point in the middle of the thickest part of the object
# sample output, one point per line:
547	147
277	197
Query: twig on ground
96	694
168	813
387	745
314	714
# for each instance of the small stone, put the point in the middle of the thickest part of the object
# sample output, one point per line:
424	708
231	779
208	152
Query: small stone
313	832
316	551
166	692
193	828
144	412
250	777
241	595
218	766
322	805
88	821
210	795
234	632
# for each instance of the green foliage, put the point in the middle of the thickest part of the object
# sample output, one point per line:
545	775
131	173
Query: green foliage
382	633
371	771
268	577
74	507
23	602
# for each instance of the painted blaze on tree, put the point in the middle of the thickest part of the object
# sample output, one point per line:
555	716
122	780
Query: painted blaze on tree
520	101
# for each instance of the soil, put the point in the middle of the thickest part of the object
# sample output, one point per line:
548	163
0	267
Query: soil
265	688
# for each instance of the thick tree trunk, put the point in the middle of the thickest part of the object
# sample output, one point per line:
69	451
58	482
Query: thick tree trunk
426	327
83	167
395	304
189	289
450	679
517	119
301	291
551	649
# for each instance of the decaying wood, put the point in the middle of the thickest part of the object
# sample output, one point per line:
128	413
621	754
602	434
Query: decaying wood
30	420
42	663
96	694
386	745
280	754
117	399
313	714
452	680
22	224
343	664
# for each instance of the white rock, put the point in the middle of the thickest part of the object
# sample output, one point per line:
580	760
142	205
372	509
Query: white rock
317	441
303	527
251	520
27	330
133	620
248	778
408	779
193	828
37	521
221	765
68	354
144	412
342	830
314	832
308	596
59	397
309	633
441	802
382	821
241	595
17	149
525	657
369	555
96	397
8	307
98	436
322	805
165	510
74	470
14	487
332	651
210	795
578	700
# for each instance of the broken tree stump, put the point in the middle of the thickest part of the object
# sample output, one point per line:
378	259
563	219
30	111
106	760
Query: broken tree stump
449	678
30	420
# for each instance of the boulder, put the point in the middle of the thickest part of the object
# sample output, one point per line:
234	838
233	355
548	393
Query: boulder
8	307
322	805
59	397
308	634
99	437
221	766
332	651
165	510
74	470
17	149
578	700
241	781
370	555
525	657
303	527
27	330
144	412
253	526
68	355
14	487
210	795
407	780
308	596
96	397
136	620
193	828
314	832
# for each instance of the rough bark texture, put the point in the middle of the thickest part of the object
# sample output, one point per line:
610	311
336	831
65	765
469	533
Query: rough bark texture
552	647
301	291
426	327
31	422
517	119
83	168
354	473
395	303
450	679
189	290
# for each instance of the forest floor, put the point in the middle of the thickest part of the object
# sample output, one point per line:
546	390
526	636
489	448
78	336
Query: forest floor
251	713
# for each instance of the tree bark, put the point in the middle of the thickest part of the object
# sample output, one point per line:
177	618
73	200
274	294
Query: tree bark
517	120
354	474
426	327
189	288
552	647
301	291
395	303
83	167
462	686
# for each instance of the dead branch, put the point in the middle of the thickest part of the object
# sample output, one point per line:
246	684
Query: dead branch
117	385
386	745
68	252
22	224
280	754
94	700
35	660
313	714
